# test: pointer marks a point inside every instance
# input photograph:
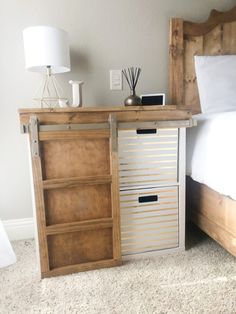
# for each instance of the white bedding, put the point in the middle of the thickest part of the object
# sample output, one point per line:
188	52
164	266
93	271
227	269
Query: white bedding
211	152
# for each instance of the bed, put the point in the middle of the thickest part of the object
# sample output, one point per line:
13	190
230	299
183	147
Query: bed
211	203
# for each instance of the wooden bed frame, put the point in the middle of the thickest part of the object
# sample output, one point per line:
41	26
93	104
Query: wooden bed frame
215	214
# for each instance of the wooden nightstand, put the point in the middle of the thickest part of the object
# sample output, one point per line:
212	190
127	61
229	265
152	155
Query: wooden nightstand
108	182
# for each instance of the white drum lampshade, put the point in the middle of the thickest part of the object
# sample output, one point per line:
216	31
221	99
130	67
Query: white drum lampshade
46	46
47	50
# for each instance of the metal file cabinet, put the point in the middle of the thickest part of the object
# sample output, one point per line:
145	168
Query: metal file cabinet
152	184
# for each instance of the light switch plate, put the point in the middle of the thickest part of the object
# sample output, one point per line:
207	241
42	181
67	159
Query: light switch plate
115	80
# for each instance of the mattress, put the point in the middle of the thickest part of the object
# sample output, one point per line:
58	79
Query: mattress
211	152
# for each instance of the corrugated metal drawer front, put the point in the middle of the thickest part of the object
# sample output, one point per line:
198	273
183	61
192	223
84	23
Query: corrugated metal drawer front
148	157
149	220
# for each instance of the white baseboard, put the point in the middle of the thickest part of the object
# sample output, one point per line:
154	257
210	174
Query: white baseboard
20	229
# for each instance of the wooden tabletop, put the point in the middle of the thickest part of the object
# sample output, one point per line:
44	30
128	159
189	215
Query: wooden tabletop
102	109
101	114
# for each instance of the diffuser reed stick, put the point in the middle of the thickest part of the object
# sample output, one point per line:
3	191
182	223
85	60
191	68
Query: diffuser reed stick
132	75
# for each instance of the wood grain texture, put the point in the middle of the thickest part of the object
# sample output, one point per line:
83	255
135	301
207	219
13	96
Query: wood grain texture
70	135
39	202
40	213
101	115
214	37
65	270
80	247
192	47
215	18
74	158
77	203
212	42
114	162
75	181
229	38
91	224
176	61
214	213
81	203
222	236
98	109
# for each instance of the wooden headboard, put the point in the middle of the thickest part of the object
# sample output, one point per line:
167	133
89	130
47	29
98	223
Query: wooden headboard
216	36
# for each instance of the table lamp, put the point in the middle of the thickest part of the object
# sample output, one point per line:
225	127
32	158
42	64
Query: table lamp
47	51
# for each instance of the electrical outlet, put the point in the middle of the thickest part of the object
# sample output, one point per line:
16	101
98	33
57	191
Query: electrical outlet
115	80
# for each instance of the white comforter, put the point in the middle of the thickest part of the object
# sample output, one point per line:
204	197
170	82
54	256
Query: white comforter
211	152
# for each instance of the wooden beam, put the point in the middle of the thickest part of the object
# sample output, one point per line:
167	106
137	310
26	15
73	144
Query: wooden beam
176	79
71	182
148	113
80	226
81	267
114	162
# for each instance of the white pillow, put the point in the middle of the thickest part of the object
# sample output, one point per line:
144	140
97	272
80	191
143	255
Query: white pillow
216	78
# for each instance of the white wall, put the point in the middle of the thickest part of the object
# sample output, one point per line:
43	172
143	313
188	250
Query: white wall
104	34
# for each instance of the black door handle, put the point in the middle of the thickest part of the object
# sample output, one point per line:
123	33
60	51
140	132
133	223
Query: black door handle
146	131
146	199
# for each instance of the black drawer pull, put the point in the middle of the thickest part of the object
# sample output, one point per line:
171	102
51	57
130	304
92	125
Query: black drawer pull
146	131
146	199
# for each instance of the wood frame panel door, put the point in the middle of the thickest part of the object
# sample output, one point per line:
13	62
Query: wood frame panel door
76	187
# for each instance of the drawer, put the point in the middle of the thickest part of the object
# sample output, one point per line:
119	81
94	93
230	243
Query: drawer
149	220
148	158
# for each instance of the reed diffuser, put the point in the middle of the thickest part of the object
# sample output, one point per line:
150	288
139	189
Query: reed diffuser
132	75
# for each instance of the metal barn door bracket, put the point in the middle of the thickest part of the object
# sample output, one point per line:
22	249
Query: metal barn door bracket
34	136
113	132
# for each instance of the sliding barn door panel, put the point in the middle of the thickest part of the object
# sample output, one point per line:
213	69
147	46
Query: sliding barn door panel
77	200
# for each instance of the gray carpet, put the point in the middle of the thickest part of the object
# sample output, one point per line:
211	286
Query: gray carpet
200	280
